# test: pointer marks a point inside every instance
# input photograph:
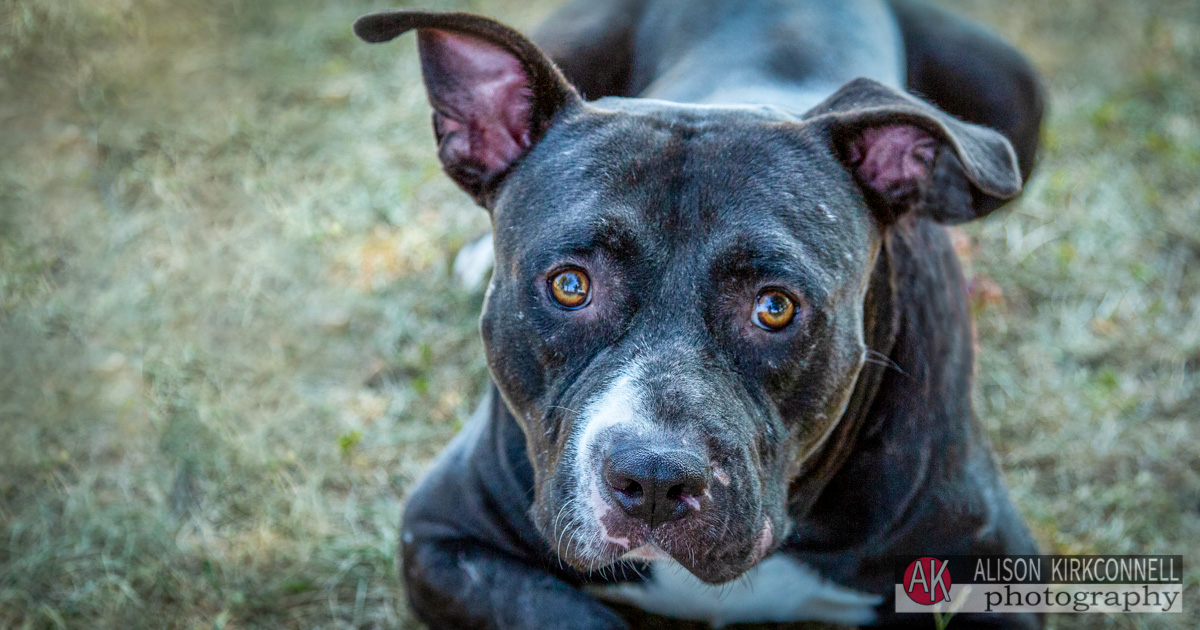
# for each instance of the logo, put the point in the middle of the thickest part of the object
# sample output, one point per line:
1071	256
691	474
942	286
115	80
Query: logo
927	581
1022	584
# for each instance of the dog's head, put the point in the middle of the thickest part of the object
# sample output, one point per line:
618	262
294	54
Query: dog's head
676	313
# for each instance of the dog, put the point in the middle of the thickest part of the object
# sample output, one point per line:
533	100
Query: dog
728	338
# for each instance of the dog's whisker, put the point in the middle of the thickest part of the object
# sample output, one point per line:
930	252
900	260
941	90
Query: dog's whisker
558	541
883	360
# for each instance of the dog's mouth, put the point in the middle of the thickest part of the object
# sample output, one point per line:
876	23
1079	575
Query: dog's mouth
651	551
712	560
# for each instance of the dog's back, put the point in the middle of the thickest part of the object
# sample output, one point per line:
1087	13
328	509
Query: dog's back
772	52
794	53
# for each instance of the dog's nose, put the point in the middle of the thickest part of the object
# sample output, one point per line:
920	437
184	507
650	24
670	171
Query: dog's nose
656	485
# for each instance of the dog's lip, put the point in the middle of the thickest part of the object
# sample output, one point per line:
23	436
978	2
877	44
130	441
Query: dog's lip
712	574
766	540
648	551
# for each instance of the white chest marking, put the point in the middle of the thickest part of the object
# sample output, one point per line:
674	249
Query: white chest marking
779	589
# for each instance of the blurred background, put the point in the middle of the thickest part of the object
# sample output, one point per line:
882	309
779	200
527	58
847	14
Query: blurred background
230	339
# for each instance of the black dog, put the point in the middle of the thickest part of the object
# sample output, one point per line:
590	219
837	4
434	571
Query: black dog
725	327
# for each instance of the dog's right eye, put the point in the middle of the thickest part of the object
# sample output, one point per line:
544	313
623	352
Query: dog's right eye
569	288
773	310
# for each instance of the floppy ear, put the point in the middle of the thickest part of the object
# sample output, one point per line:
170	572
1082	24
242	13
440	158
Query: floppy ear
908	155
494	94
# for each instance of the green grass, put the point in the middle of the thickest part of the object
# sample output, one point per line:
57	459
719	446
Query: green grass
229	341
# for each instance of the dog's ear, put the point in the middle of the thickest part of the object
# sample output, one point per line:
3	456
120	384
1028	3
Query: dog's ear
494	93
908	155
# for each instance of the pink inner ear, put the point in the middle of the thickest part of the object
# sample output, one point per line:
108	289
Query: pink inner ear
892	159
482	97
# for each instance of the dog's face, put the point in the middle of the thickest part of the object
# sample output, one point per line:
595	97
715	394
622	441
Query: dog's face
675	317
681	286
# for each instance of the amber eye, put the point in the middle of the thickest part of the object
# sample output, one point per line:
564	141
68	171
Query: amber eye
570	288
773	310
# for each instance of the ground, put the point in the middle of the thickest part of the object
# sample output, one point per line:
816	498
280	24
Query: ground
230	340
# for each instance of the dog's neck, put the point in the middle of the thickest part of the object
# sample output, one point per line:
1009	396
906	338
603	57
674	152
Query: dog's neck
880	326
909	442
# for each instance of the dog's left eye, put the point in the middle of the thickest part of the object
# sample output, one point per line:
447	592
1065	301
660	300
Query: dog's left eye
773	310
569	288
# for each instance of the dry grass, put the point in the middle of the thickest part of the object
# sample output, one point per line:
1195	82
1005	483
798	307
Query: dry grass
229	341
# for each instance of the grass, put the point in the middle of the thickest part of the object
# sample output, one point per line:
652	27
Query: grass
229	339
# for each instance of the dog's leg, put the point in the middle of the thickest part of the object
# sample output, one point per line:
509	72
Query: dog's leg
457	584
470	554
969	72
591	41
